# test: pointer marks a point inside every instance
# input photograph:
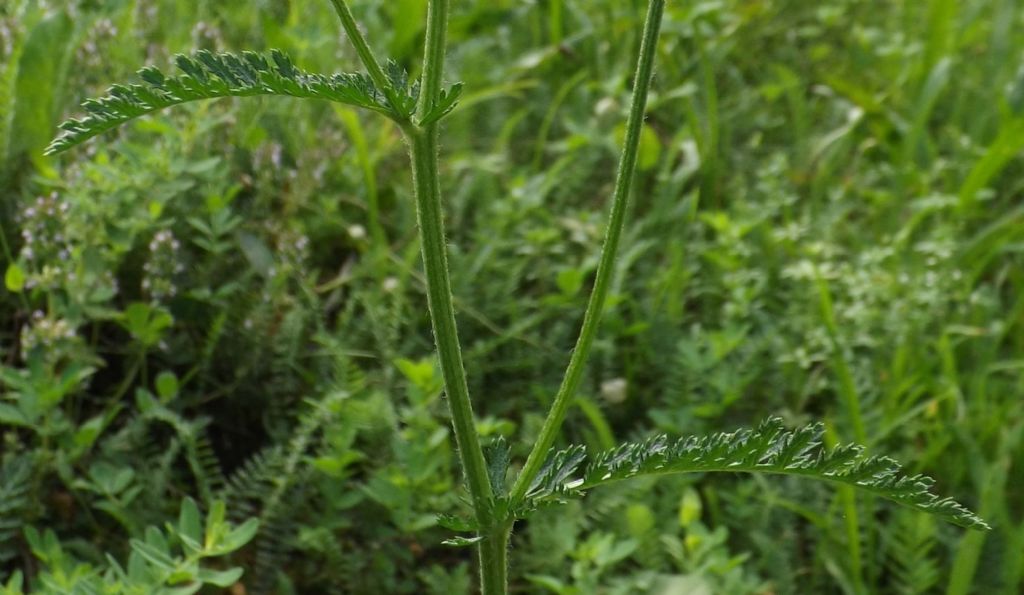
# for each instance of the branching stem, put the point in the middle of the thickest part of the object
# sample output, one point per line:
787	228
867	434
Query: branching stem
423	151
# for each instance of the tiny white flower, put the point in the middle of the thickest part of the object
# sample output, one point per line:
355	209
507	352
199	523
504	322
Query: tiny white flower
357	232
614	390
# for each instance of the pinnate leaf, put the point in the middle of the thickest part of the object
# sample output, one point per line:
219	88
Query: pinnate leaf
769	448
208	75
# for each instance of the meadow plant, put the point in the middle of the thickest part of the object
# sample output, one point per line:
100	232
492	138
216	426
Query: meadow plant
499	495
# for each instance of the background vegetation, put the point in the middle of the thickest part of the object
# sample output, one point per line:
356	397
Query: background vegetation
224	302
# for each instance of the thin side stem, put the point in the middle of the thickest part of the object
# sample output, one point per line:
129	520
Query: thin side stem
423	153
606	266
373	68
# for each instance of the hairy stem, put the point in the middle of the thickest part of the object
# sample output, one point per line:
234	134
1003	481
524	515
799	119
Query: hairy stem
606	266
494	561
423	148
493	549
423	153
433	57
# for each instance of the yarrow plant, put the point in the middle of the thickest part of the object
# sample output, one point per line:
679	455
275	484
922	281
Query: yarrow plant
547	476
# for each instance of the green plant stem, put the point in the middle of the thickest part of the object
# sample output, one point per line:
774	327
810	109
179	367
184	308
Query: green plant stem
493	552
606	266
423	153
433	57
373	68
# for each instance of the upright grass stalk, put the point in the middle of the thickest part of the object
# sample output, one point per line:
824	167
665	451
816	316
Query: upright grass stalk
606	266
848	390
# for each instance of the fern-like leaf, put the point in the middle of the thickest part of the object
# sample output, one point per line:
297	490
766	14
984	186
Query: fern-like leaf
15	475
769	448
910	555
444	105
209	75
556	472
404	101
268	485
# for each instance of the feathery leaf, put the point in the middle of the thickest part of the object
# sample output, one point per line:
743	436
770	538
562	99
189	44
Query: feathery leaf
769	448
444	105
208	75
15	477
497	456
554	475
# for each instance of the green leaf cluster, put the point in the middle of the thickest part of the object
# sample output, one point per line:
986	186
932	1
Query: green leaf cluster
170	562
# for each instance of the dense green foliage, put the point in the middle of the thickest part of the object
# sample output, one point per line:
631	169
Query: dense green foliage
224	301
